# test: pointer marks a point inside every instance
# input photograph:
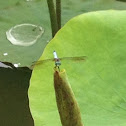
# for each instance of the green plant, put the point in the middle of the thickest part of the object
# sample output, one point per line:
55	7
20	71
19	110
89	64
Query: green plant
98	83
55	15
68	108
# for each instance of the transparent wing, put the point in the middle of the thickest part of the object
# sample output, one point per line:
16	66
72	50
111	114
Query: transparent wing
80	58
41	62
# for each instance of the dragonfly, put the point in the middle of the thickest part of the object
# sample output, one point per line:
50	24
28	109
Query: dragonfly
57	61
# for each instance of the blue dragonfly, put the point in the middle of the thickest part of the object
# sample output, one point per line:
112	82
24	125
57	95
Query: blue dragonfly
58	60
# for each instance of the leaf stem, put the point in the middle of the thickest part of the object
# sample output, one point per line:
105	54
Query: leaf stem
58	13
53	17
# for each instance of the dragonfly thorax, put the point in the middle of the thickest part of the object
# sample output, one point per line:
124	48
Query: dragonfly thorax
57	62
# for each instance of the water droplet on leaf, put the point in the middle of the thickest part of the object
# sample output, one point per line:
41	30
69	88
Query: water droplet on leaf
17	64
28	0
5	54
24	34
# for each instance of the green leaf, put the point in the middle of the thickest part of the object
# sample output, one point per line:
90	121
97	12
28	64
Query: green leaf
98	83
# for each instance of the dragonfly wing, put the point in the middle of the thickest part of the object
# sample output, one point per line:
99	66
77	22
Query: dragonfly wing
42	61
80	58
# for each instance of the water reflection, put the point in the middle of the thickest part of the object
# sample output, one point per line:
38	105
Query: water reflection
4	65
14	102
24	34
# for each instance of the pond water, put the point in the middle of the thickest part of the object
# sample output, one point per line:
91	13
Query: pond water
14	101
24	34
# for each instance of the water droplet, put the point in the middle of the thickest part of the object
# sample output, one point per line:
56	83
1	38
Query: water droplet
24	34
28	0
5	54
47	41
17	64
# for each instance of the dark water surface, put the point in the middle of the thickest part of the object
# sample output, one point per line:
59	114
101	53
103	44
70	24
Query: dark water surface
14	102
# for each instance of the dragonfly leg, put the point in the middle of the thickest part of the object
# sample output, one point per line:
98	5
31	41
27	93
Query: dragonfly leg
59	68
